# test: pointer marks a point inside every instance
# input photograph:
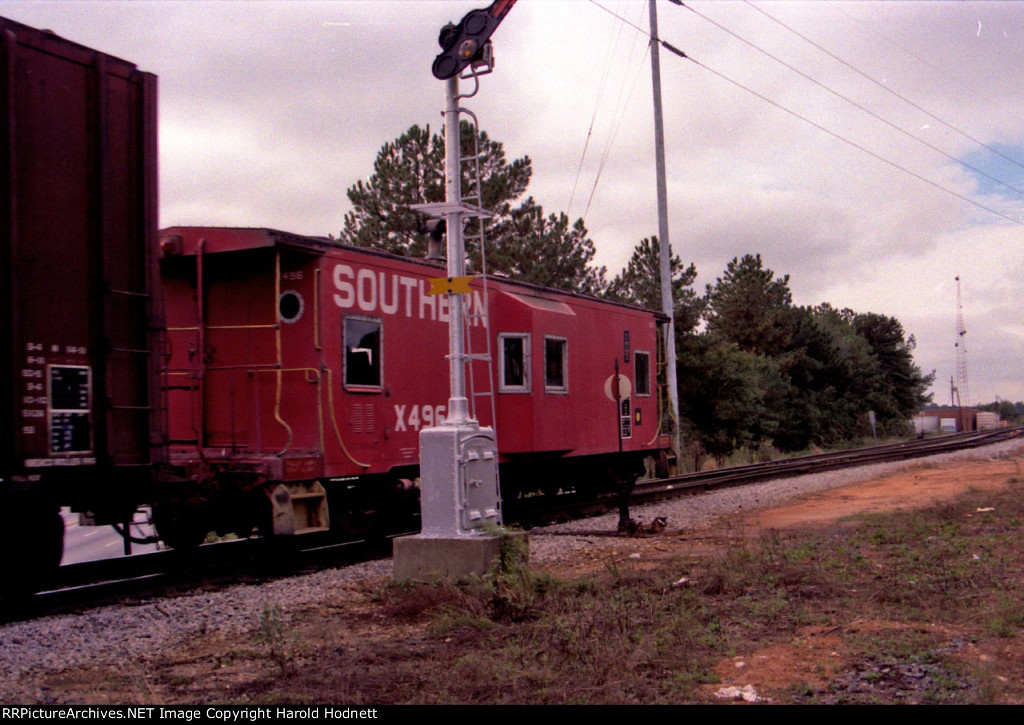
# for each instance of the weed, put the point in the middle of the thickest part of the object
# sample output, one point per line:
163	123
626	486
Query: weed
514	587
803	692
140	683
455	619
271	634
1007	618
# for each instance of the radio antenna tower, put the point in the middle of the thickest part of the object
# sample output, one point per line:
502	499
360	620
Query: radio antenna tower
961	388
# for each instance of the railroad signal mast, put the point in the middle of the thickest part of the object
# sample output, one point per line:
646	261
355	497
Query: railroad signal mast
460	497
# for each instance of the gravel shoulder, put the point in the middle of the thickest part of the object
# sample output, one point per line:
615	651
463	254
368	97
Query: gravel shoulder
33	654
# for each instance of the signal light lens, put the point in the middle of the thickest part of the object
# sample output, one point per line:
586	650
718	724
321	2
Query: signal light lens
445	66
476	21
468	48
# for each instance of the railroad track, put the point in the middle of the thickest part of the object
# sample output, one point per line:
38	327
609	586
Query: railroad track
692	483
801	465
254	560
170	572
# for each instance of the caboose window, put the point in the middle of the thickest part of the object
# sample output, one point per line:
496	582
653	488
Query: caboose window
514	373
362	352
556	361
290	306
642	361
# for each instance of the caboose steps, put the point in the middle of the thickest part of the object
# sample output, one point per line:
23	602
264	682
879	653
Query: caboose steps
299	508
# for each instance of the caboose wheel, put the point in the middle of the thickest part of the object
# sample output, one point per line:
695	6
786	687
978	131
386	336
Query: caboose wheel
662	465
359	524
179	526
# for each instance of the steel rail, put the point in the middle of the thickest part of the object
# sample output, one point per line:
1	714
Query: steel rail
528	512
830	461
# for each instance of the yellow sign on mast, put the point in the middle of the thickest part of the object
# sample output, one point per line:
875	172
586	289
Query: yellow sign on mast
449	285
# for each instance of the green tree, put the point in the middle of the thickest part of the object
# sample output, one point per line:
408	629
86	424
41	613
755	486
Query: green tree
405	173
767	370
1004	409
852	373
729	396
751	308
410	170
828	366
639	283
902	392
522	242
545	250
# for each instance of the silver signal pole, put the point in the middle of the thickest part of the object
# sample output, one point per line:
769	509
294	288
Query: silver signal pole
458	458
667	304
458	408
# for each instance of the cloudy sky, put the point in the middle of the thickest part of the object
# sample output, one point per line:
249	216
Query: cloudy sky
872	151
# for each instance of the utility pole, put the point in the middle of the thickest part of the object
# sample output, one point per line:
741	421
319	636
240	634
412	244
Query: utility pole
963	391
667	303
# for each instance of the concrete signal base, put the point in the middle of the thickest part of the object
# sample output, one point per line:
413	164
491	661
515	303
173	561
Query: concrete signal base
427	558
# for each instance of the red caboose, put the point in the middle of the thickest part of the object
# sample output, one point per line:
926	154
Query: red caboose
299	368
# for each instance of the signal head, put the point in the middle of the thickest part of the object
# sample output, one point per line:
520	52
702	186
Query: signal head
462	44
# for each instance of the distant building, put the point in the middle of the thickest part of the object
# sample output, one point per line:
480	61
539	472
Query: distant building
987	420
953	420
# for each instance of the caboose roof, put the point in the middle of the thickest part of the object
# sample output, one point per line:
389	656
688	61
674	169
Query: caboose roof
235	239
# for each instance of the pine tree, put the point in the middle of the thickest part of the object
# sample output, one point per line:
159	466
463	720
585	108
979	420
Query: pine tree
410	170
640	284
522	242
748	306
545	250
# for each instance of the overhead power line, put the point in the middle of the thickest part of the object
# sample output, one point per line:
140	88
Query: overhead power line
857	146
997	103
593	118
674	50
630	23
619	111
611	136
887	89
859	106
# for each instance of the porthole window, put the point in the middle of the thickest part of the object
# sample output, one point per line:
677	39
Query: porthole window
290	306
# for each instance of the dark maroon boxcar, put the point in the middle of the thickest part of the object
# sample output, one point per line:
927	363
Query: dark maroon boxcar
295	359
77	230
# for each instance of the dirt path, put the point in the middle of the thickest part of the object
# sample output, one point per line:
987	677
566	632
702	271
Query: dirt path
919	487
817	654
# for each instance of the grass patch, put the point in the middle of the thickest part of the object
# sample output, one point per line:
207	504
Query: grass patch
907	602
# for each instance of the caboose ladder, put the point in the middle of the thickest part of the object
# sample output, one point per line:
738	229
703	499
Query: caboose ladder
475	196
